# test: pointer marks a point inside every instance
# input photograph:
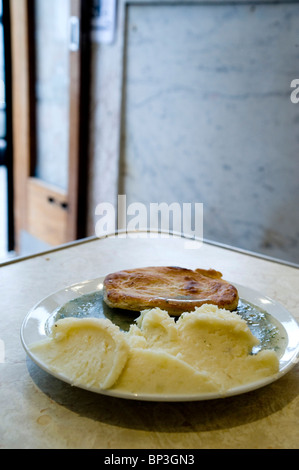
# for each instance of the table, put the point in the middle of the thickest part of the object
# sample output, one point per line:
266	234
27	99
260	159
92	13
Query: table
39	411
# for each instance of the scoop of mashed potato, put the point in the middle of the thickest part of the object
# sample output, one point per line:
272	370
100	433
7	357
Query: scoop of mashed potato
88	352
212	341
208	350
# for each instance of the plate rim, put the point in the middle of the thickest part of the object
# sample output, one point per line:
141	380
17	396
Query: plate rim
73	291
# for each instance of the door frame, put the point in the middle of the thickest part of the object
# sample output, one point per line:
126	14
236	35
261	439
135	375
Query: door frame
8	111
44	211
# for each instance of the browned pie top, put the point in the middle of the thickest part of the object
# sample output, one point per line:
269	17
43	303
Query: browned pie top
170	288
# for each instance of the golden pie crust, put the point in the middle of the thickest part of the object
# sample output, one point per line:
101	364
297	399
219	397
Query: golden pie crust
170	288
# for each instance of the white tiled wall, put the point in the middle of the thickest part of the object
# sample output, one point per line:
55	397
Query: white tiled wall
208	118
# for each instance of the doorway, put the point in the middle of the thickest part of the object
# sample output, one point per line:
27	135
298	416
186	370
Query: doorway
6	168
50	90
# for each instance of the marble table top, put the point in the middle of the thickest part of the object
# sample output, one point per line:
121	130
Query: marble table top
39	411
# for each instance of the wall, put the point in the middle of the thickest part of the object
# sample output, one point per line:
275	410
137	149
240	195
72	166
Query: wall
193	104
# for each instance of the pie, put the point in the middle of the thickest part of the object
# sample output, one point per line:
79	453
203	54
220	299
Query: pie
170	288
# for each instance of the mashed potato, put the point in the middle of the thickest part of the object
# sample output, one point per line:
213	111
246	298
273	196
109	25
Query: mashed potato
88	352
208	350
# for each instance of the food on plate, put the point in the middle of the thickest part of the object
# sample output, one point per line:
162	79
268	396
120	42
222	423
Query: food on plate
173	289
205	351
211	340
85	351
155	371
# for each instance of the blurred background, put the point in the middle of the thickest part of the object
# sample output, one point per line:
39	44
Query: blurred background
162	101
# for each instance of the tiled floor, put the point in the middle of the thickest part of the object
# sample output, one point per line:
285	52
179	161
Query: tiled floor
28	244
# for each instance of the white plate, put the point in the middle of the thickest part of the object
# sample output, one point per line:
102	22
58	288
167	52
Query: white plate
37	325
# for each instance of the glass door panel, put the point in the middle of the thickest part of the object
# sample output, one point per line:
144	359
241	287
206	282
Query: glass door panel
52	91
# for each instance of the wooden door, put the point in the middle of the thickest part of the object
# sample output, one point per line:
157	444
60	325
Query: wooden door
50	128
